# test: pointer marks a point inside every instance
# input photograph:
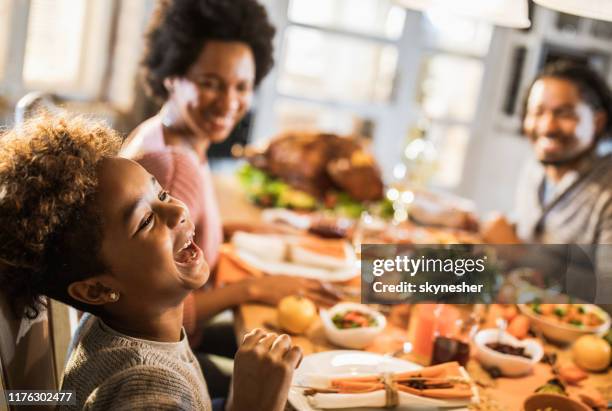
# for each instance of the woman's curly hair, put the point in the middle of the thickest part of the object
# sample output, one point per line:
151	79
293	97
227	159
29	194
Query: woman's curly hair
51	230
180	28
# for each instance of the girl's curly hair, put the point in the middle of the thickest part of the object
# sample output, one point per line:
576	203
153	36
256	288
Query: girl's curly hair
51	230
180	28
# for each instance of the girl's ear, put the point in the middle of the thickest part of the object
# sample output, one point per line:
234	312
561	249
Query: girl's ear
94	291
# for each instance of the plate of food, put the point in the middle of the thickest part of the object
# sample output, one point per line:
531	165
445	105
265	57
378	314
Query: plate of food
368	381
352	325
305	170
511	356
566	322
300	256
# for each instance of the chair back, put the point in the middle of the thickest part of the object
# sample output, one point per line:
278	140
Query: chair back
33	352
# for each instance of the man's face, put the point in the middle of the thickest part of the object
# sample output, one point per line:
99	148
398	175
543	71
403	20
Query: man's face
560	125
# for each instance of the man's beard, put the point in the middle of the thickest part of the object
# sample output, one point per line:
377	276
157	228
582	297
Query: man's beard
576	157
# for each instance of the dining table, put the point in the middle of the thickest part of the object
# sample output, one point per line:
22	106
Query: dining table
495	393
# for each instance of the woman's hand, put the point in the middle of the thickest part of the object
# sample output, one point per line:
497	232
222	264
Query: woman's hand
271	289
263	369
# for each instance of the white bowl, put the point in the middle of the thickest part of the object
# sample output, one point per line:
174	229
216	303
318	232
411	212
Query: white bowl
509	365
355	338
565	333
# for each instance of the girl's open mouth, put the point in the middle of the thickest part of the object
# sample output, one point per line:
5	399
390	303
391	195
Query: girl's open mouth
189	255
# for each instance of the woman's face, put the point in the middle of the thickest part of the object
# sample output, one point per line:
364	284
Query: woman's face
216	91
146	240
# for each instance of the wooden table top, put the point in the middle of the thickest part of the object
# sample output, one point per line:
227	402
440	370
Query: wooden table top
502	394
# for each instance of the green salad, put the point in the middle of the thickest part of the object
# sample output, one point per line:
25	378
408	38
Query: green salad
267	191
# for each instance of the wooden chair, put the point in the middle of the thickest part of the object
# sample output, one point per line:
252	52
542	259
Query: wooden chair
3	406
33	353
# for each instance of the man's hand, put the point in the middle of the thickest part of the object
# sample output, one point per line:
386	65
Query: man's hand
263	370
497	230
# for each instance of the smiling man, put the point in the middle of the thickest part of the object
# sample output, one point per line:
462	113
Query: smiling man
565	193
566	197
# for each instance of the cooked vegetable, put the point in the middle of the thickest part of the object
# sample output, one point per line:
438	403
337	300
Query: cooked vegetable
353	319
573	314
267	191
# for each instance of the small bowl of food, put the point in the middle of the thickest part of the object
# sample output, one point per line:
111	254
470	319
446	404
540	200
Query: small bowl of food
513	358
552	402
352	325
565	323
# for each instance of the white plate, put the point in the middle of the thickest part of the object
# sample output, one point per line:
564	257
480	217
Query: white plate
351	363
342	363
352	270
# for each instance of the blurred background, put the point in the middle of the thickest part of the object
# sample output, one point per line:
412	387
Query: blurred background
374	68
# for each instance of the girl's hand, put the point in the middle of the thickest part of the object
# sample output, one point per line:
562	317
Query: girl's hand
263	370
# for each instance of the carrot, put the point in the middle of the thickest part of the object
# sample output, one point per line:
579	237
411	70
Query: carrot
438	392
354	385
447	368
358	388
358	391
364	378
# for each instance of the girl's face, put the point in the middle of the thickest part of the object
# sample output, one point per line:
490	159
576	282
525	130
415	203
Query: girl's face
216	91
146	241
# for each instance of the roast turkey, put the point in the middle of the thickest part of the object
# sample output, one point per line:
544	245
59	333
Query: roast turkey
318	163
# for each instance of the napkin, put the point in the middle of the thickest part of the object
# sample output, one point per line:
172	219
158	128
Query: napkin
321	253
266	247
383	390
377	399
249	255
231	269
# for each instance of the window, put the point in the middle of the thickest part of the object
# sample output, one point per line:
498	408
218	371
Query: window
66	46
456	34
337	68
449	85
293	115
322	66
54	43
369	67
5	14
451	143
370	17
129	38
